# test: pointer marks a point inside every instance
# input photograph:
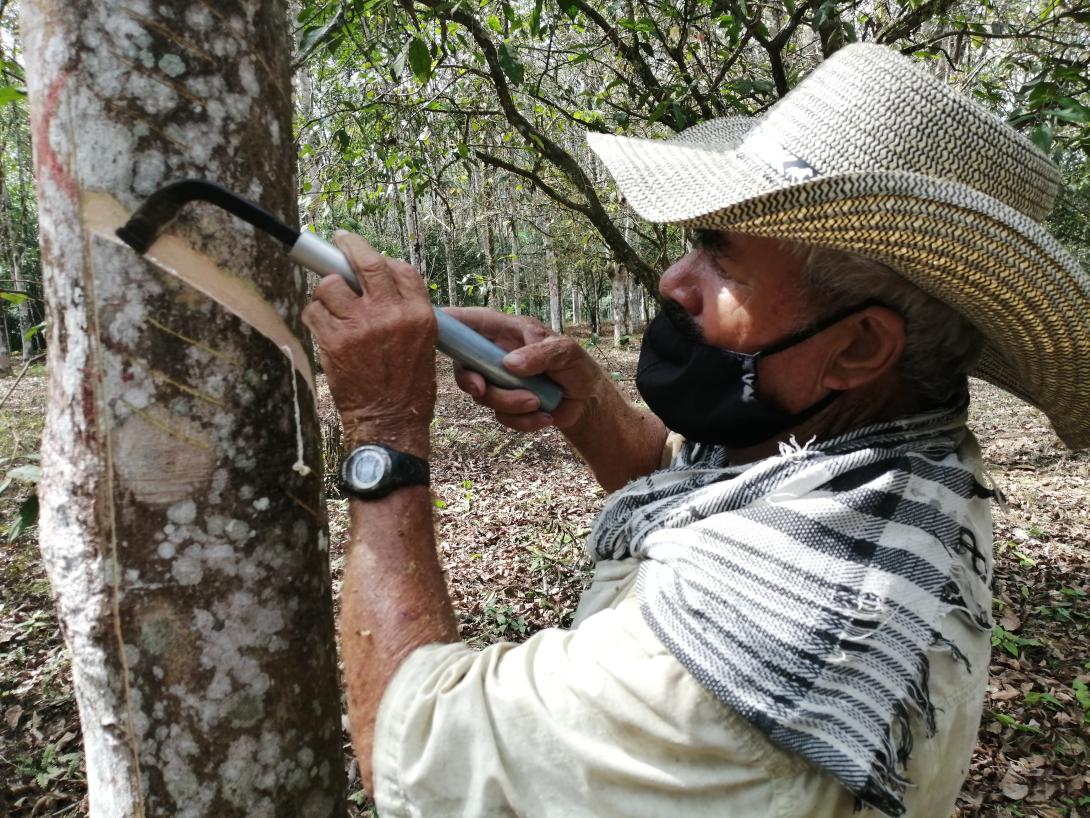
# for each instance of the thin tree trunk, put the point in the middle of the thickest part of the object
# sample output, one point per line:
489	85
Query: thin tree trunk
556	308
5	352
516	268
19	284
452	276
187	555
412	231
617	293
576	305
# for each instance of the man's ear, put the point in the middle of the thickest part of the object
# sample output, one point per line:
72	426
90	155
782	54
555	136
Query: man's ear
869	344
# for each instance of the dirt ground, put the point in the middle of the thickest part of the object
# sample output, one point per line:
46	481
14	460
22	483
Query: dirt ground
512	512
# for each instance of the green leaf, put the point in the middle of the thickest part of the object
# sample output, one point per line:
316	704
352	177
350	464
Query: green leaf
495	23
535	19
34	330
1041	136
14	298
1082	695
1047	698
420	60
1071	112
27	474
510	65
1010	721
25	517
9	93
463	150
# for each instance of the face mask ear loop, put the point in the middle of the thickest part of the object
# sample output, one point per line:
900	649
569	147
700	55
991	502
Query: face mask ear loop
810	332
813	330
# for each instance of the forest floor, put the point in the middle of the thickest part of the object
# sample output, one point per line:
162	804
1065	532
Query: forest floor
512	512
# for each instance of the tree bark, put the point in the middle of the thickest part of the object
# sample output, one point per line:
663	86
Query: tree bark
412	230
187	556
516	267
452	275
556	307
5	352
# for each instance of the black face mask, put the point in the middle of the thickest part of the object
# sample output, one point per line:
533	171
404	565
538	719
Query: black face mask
709	395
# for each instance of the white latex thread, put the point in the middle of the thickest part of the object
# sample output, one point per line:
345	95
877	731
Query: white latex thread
299	465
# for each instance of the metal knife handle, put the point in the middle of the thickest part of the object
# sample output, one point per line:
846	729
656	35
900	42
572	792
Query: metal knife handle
466	346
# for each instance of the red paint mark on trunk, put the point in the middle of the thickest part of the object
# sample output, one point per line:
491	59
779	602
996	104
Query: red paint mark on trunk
48	161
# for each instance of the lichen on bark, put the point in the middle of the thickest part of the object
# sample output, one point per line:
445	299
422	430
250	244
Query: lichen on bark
187	556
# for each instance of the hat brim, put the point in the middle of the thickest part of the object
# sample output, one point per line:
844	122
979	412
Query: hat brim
999	268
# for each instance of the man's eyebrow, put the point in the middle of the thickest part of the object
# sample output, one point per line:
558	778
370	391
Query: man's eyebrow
716	241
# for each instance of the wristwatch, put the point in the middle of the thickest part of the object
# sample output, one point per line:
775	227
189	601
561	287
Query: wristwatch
374	470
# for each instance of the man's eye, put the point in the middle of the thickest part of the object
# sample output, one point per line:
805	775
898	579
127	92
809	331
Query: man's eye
712	240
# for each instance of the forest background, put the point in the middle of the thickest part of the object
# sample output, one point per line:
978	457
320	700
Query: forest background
453	134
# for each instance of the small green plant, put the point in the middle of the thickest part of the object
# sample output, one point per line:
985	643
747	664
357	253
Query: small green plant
1044	698
500	621
1012	643
26	515
1082	696
1011	721
52	766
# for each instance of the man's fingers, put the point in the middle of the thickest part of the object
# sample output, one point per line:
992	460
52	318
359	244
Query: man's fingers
526	423
410	284
509	401
470	382
371	267
506	331
336	296
317	318
551	353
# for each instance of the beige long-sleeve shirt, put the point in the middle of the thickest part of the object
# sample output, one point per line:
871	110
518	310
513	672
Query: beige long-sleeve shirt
601	720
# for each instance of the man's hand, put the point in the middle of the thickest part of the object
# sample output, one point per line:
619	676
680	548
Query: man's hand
534	350
619	441
378	349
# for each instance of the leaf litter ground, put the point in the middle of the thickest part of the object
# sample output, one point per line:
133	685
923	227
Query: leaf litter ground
512	513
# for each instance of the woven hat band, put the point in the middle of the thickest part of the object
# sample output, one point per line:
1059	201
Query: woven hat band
867	108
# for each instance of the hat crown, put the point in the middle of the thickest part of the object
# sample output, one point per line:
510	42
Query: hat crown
868	109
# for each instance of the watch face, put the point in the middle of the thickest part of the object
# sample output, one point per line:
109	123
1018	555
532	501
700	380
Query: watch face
367	467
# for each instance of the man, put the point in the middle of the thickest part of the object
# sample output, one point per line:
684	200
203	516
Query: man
792	617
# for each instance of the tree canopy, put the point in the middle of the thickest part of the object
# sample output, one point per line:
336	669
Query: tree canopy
473	114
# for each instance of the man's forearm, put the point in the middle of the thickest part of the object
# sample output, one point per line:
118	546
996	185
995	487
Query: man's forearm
393	600
619	441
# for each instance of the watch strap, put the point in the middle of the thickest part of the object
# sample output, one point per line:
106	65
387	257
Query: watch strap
405	470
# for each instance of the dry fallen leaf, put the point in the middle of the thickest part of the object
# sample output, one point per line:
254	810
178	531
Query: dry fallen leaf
1010	621
1013	788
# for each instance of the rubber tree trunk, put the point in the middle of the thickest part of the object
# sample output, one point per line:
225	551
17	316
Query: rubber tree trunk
618	291
5	352
188	559
448	253
516	267
556	308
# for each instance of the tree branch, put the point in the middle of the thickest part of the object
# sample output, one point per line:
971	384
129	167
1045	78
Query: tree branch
549	150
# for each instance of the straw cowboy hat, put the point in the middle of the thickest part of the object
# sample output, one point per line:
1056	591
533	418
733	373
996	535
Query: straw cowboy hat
873	155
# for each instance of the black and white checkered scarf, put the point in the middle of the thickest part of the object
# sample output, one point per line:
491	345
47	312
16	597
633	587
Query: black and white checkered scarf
805	590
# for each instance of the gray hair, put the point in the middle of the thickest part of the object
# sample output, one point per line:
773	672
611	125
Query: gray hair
941	347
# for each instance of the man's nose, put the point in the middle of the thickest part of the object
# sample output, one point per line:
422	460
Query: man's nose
680	283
